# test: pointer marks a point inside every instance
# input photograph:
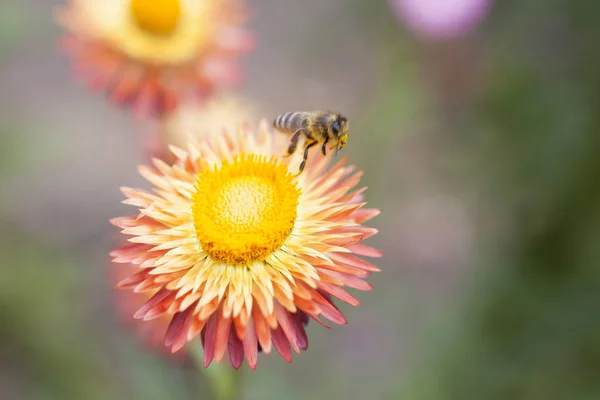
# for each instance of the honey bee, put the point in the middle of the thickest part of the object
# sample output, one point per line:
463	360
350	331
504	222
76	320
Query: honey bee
317	127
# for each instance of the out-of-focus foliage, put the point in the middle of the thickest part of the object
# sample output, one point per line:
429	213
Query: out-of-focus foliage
531	329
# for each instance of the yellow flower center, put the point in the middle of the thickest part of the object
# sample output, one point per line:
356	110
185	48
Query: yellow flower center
158	17
244	210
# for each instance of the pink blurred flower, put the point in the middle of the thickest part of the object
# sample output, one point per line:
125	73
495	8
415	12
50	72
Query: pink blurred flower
153	55
441	18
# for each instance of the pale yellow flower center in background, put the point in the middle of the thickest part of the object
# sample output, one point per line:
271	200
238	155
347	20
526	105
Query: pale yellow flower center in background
245	209
158	17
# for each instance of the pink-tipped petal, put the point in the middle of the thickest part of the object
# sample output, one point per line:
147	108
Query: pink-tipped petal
340	293
281	344
365	214
354	262
333	315
209	340
182	339
153	302
174	329
235	349
285	322
251	345
350	280
364	250
222	336
300	319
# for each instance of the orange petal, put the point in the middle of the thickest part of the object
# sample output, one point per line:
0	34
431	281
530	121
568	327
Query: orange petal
287	325
251	345
263	332
221	336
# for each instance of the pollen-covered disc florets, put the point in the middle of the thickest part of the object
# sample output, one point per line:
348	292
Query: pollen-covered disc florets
245	209
234	247
154	54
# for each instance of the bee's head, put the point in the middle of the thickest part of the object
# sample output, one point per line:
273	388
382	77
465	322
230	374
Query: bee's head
339	129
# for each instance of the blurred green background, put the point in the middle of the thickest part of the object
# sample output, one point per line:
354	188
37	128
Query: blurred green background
483	152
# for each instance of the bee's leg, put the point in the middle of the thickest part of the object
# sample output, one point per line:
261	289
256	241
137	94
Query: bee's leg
324	148
294	142
303	164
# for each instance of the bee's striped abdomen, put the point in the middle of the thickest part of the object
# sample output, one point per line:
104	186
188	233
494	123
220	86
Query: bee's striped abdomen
289	122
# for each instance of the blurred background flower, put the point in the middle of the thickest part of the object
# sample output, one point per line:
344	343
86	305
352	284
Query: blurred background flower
441	18
151	55
193	122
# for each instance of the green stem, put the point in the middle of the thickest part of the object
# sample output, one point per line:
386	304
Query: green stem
225	382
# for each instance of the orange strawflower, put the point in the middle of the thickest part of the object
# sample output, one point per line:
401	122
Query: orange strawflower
240	250
152	54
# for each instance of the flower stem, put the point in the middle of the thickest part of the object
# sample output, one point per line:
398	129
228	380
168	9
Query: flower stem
225	382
